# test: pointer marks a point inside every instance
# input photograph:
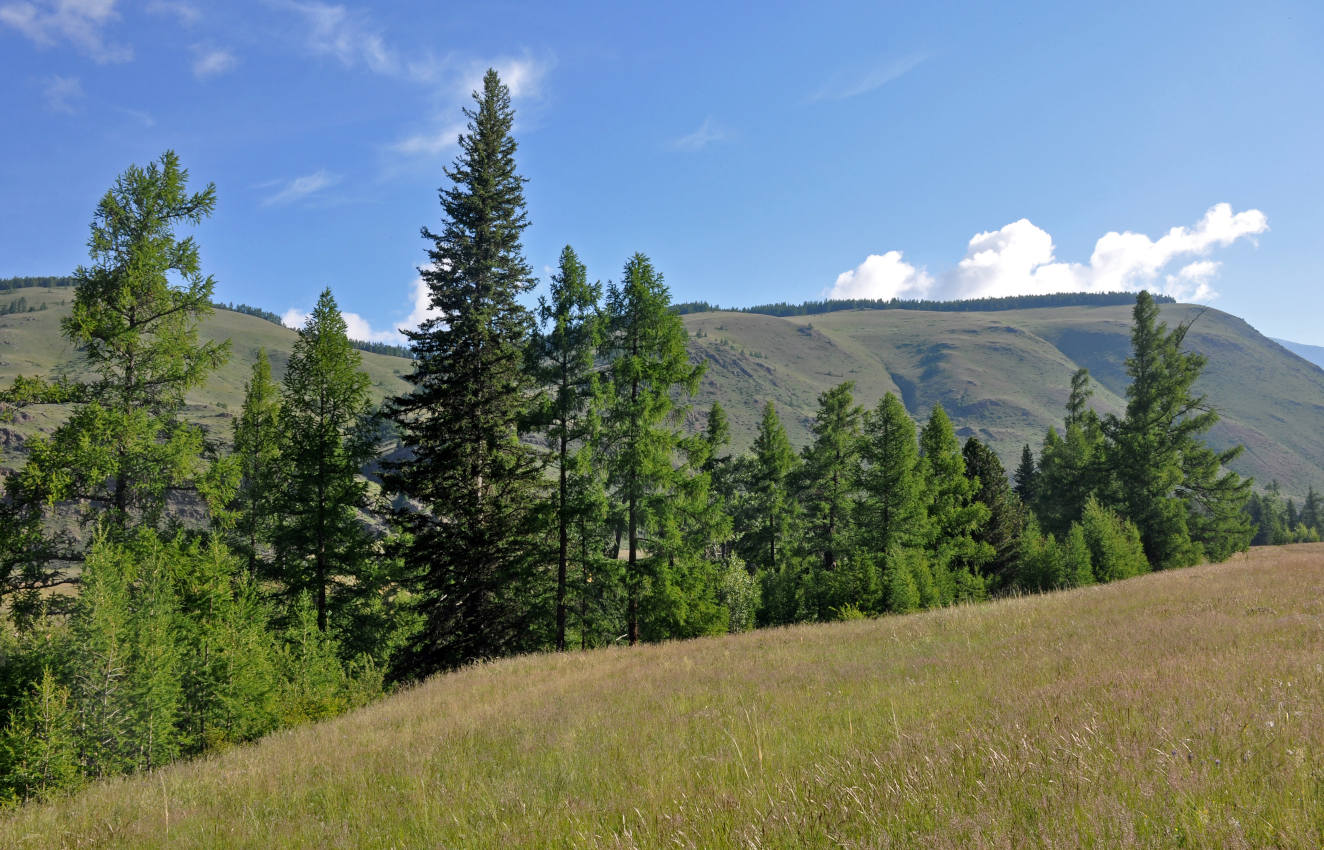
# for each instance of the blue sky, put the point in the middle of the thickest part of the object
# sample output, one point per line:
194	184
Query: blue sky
784	153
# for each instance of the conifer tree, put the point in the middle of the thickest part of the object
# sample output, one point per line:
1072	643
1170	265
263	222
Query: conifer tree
770	509
1072	467
892	511
1027	477
1170	484
829	480
322	547
648	364
954	515
565	352
470	484
123	448
38	747
1006	517
257	449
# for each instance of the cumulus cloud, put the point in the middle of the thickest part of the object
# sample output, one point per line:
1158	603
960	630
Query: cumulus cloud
62	93
356	327
1020	259
701	138
298	188
211	62
79	22
883	276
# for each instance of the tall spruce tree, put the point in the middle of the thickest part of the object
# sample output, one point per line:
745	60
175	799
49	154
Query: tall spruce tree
892	510
1027	477
123	450
1006	519
257	448
469	485
1170	484
771	507
648	365
565	351
327	435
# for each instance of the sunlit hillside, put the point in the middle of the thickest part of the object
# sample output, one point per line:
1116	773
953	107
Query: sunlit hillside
1179	709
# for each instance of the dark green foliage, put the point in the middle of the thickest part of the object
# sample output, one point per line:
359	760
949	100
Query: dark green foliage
249	310
1170	484
829	478
8	284
647	366
564	352
1072	467
768	514
322	548
469	487
1007	514
1027	477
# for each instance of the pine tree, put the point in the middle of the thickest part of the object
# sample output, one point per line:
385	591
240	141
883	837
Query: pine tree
648	363
322	547
1171	485
829	480
565	353
474	482
892	510
257	448
123	448
1312	511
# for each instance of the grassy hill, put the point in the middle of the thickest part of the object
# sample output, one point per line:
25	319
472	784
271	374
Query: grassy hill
31	344
1176	709
1313	353
1005	376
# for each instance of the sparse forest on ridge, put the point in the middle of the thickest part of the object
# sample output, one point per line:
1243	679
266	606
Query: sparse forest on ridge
552	484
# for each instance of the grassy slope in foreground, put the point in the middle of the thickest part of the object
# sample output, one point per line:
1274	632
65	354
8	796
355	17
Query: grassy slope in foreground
1181	708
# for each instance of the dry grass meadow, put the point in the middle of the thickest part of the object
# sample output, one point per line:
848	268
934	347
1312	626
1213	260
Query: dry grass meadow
1182	709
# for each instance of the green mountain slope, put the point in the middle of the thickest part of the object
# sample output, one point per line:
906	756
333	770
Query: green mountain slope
1313	353
1177	709
31	344
1004	376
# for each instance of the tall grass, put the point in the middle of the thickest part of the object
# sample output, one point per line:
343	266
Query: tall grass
1174	709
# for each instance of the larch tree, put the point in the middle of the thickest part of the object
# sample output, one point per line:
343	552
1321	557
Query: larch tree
829	477
954	515
565	351
647	366
257	448
1174	488
322	547
123	451
468	487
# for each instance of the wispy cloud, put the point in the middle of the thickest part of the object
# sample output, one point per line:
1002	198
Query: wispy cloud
707	133
79	22
187	14
298	188
347	36
523	75
212	61
138	115
62	93
1019	259
847	85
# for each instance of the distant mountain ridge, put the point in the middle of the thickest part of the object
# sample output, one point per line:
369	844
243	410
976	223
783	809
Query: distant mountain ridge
1313	353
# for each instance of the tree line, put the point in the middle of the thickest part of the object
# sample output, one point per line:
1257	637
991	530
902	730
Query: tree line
982	305
538	489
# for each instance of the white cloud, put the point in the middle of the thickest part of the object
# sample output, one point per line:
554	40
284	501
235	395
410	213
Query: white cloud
349	37
298	188
356	327
883	276
430	143
61	93
843	86
701	138
211	62
80	22
186	13
422	306
1019	259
